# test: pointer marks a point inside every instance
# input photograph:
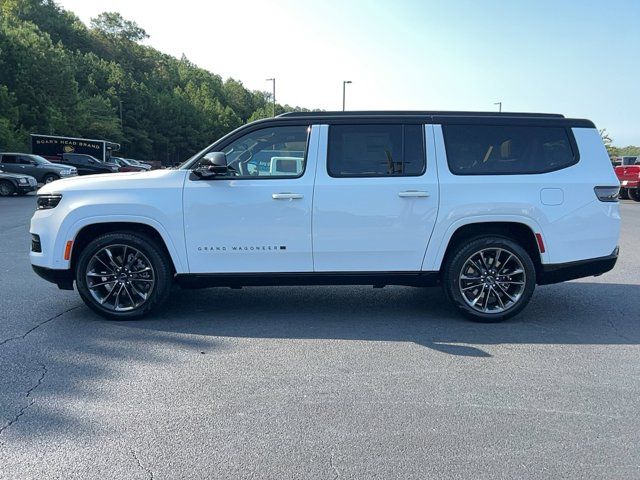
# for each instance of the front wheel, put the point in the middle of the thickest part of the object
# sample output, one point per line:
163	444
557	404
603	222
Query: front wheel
634	194
123	275
489	279
50	178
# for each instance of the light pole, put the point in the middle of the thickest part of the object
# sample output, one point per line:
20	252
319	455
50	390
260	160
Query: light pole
273	95
344	88
499	106
121	124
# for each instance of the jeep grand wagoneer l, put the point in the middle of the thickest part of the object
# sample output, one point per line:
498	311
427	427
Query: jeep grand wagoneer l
488	205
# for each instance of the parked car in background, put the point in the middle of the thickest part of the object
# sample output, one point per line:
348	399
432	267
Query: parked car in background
88	165
11	183
629	175
40	168
128	166
146	165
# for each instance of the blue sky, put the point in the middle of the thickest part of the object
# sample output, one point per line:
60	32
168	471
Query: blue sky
579	58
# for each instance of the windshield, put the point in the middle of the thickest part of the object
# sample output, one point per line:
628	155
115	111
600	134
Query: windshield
40	160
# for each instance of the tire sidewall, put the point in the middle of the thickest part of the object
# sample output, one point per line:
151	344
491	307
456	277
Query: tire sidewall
159	262
456	262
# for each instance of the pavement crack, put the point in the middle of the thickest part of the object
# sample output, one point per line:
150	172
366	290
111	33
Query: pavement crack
15	419
35	327
333	467
614	327
23	409
140	466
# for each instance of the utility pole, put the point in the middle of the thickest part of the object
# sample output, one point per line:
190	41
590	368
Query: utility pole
499	106
121	125
344	88
273	95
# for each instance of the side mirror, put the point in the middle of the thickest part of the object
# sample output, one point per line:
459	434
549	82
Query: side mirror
213	164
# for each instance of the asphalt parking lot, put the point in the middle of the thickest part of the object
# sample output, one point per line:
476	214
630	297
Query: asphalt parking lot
318	382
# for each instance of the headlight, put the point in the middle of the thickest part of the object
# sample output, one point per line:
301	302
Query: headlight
23	180
46	202
64	173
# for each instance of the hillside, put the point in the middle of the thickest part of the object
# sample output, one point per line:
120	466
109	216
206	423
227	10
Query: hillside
58	76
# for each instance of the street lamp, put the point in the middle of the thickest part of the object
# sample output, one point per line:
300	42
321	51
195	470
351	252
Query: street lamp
273	95
344	87
499	106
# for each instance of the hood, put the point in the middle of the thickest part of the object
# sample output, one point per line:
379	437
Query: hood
113	181
13	175
59	166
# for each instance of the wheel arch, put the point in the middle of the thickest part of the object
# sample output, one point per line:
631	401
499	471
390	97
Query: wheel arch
87	232
522	232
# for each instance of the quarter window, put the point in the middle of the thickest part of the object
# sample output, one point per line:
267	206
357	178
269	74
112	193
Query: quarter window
504	150
270	152
376	150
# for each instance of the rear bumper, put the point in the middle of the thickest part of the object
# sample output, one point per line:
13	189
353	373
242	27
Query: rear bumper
62	278
561	272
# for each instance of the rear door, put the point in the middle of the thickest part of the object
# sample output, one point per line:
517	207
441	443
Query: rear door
375	198
9	164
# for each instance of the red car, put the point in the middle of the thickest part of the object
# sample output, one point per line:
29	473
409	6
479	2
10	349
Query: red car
629	175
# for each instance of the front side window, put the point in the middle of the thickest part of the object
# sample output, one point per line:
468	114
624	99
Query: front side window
376	150
506	149
270	152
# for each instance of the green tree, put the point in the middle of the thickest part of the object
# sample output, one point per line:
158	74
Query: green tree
112	23
608	143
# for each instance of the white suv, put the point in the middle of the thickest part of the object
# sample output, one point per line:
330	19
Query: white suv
487	205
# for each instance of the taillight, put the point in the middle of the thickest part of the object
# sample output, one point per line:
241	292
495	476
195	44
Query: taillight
607	194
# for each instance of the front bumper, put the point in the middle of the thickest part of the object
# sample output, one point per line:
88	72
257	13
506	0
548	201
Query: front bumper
561	272
26	188
62	278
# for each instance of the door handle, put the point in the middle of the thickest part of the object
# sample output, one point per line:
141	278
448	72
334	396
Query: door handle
413	193
287	196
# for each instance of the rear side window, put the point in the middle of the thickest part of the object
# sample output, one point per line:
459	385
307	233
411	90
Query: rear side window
376	150
9	159
504	150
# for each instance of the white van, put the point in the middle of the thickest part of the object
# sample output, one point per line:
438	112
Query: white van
487	205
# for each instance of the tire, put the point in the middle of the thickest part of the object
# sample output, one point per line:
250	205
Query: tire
501	294
624	194
634	194
145	277
50	177
7	188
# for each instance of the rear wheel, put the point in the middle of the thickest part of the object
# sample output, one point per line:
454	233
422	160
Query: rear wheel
123	275
489	279
624	194
634	194
6	188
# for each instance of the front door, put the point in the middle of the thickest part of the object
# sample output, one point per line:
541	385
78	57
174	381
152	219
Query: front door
376	198
256	218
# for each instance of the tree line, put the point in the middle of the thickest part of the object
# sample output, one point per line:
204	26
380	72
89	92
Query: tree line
61	77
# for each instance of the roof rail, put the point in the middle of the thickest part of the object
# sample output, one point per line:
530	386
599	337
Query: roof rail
414	113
